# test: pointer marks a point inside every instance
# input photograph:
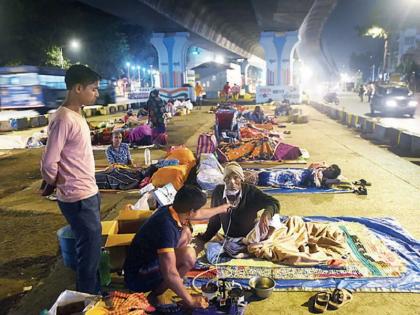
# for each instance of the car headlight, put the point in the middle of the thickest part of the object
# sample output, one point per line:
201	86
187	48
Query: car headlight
412	103
391	103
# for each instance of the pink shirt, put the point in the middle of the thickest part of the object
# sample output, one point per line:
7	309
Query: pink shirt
68	159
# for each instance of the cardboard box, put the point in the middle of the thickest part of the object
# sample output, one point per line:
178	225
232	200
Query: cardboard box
108	228
130	221
117	245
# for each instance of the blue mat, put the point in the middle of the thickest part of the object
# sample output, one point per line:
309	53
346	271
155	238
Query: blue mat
311	190
297	190
392	234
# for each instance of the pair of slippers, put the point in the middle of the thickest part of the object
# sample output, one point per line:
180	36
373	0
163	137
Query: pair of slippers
362	182
331	301
361	190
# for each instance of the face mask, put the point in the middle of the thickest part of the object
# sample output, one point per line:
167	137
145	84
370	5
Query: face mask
232	192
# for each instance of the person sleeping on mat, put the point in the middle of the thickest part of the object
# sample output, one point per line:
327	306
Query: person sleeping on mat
316	175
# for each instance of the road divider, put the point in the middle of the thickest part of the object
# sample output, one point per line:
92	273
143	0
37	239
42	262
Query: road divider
372	129
42	120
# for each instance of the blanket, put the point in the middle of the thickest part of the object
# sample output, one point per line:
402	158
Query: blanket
382	257
299	243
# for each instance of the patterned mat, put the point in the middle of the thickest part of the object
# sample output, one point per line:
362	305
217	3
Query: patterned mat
367	257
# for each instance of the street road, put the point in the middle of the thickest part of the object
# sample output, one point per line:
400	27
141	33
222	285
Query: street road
351	103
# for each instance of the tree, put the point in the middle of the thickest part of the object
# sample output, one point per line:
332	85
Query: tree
387	18
55	58
35	33
376	31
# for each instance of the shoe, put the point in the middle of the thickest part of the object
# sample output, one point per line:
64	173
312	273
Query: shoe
339	298
52	197
321	301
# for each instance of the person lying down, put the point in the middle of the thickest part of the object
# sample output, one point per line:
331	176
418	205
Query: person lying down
316	175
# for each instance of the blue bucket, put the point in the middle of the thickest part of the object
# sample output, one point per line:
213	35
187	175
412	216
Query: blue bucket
67	246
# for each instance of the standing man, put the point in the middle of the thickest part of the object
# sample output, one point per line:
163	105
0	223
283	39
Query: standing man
69	165
236	90
199	93
156	108
361	92
226	91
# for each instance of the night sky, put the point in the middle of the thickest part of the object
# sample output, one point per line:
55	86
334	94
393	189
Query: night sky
340	36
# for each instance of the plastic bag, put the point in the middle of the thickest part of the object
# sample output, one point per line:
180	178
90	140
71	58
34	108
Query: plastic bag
69	297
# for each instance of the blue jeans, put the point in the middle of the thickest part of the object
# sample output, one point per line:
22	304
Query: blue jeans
84	219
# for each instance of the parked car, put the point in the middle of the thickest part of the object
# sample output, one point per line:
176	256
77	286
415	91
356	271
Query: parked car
393	99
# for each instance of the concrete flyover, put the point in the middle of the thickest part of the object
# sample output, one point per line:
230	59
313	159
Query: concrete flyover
250	29
310	47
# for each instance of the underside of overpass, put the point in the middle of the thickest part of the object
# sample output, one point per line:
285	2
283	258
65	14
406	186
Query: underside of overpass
265	31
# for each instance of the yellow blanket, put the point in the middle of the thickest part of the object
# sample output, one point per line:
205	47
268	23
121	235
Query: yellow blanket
299	243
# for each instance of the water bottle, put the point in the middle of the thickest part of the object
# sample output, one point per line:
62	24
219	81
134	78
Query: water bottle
147	160
104	268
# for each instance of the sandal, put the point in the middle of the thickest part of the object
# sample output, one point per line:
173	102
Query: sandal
51	197
321	301
339	298
361	190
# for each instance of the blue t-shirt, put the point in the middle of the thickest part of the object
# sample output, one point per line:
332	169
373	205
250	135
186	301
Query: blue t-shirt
159	234
120	156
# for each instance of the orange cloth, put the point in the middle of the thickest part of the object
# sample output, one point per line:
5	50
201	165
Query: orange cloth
177	175
184	155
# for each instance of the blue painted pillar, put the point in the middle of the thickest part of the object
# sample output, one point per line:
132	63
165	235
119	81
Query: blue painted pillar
172	51
278	48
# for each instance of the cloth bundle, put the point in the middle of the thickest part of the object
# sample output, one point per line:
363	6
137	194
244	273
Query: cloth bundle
210	172
249	149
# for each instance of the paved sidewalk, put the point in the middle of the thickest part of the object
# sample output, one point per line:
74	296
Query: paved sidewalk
395	192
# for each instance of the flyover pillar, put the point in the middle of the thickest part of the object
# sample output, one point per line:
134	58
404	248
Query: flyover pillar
172	51
278	49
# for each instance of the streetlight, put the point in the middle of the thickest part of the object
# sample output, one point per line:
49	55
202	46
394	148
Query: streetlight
219	59
75	44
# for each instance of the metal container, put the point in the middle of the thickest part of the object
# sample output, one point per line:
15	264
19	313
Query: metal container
262	286
209	290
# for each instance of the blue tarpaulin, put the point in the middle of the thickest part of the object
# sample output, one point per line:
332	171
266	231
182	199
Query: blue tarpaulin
311	190
392	234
